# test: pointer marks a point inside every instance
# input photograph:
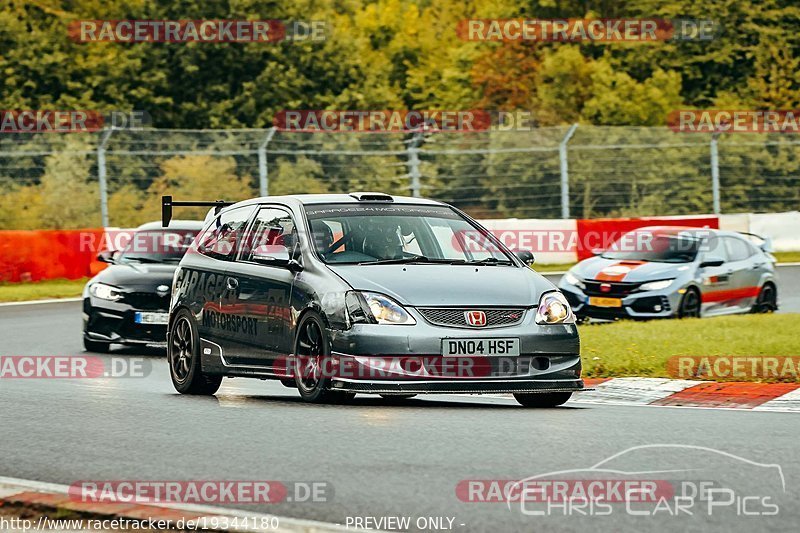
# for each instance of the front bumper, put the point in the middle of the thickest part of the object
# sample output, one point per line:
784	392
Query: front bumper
455	387
387	359
644	304
114	322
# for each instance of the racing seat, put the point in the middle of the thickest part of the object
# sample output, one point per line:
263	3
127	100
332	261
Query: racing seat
384	242
322	236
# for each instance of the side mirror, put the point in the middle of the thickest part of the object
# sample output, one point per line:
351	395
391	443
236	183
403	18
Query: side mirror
107	256
279	258
712	262
525	256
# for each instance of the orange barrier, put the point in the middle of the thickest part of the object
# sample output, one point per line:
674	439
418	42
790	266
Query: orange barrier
49	254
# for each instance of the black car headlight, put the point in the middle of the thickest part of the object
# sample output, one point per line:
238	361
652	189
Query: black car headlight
373	308
553	309
104	292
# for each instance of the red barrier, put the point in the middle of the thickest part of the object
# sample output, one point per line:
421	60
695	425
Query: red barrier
601	232
48	254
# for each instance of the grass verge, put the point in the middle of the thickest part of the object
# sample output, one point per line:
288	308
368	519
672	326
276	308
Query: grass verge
39	290
630	348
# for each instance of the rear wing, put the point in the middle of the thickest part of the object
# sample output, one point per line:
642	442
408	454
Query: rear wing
167	203
765	243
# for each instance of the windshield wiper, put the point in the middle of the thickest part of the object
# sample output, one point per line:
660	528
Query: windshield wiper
489	261
416	259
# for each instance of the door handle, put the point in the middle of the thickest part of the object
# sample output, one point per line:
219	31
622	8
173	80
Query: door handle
232	283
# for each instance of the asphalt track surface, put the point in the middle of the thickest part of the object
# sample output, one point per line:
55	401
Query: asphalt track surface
383	459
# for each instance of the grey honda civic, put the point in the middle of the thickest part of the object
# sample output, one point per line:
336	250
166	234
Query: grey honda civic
342	294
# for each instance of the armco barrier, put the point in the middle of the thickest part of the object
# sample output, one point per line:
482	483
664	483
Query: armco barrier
47	254
552	241
782	228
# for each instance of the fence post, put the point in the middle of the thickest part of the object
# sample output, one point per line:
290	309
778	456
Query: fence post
101	174
413	164
263	177
562	157
715	172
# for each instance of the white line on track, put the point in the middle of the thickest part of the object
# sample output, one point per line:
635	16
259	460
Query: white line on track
48	301
286	524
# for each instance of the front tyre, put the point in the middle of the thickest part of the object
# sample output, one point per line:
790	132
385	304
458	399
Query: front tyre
312	353
544	399
690	304
183	355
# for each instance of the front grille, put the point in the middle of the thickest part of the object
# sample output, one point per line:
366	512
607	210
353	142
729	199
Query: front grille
455	316
618	289
146	301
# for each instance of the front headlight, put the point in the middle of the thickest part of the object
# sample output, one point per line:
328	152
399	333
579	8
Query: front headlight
572	279
553	309
372	307
656	285
104	292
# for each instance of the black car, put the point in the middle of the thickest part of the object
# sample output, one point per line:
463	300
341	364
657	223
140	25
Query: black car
128	302
365	293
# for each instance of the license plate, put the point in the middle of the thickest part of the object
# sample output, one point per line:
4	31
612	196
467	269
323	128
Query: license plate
151	318
490	347
598	301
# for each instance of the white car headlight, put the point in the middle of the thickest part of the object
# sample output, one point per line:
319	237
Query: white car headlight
572	279
656	285
387	311
104	292
553	309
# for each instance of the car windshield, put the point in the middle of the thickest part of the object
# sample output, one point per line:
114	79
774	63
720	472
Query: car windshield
384	234
157	246
649	246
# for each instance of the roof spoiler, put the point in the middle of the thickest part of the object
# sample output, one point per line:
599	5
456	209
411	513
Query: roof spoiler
765	243
167	203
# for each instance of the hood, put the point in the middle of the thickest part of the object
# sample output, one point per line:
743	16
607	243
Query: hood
628	271
138	276
448	285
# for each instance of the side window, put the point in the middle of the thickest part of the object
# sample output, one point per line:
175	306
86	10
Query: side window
714	248
738	250
222	239
273	233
